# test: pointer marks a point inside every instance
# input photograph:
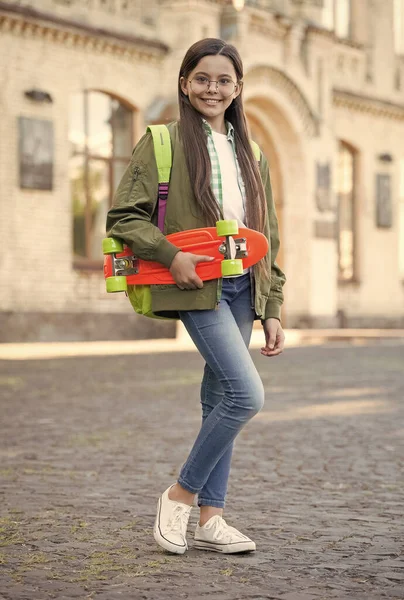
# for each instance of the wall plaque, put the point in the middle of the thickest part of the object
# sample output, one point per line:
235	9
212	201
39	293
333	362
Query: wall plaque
325	230
36	153
323	187
384	209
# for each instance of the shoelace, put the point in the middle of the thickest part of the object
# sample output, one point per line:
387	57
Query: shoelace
222	530
179	519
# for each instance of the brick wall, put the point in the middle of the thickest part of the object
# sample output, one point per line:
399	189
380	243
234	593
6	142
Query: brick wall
282	93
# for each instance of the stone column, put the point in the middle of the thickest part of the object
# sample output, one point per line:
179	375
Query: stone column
360	21
382	45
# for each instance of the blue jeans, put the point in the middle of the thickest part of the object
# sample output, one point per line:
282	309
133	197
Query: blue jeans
231	393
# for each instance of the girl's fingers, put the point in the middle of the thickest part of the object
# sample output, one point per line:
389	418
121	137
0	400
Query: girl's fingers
267	352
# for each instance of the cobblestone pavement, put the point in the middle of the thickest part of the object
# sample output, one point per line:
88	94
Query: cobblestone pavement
88	444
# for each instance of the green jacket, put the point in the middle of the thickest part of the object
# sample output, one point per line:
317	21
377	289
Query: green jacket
133	218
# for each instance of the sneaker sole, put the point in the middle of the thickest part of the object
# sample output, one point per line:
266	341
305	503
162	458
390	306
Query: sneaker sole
161	540
225	548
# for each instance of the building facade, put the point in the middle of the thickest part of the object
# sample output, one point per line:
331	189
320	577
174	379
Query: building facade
324	97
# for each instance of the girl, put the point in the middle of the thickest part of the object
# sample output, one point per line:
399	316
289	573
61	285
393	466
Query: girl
214	176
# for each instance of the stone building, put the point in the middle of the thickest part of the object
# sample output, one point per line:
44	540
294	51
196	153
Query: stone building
324	95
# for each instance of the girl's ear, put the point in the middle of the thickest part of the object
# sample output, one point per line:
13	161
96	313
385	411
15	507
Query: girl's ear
238	89
183	84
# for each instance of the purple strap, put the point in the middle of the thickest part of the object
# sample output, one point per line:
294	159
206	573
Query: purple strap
162	202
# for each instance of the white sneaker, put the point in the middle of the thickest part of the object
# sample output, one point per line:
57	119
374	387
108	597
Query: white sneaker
170	527
216	535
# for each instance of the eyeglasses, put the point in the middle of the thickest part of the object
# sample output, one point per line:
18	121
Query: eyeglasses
225	85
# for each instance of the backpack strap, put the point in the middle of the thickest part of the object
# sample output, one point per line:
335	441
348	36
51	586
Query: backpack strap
256	150
162	152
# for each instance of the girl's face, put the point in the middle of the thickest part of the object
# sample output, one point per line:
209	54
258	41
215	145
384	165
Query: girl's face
211	87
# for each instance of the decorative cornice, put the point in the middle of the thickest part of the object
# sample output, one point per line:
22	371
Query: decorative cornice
349	43
330	33
313	29
366	104
276	78
27	21
267	24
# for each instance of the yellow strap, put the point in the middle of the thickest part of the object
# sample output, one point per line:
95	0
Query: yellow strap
162	151
256	150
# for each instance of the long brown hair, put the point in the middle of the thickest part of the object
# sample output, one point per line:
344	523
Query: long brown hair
193	138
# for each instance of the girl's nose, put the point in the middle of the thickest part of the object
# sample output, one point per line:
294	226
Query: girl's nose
214	84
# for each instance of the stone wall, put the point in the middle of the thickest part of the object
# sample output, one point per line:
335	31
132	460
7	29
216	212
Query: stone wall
304	92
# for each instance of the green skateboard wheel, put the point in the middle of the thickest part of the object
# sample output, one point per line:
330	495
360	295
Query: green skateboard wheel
232	267
116	284
229	227
111	245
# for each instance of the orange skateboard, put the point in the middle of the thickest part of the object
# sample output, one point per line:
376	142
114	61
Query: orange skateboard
233	248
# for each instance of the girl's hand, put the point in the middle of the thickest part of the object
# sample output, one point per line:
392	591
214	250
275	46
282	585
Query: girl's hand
274	338
183	270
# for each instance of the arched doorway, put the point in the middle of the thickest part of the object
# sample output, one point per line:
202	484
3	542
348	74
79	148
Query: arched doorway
267	146
283	131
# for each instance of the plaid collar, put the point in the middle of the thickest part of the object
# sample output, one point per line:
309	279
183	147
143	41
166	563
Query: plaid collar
229	128
216	176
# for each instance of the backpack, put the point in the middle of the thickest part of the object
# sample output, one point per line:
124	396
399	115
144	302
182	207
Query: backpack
140	295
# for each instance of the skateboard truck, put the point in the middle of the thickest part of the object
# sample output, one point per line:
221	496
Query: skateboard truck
125	266
232	248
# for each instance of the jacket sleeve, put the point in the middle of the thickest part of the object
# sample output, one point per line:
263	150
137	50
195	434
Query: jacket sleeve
130	217
278	279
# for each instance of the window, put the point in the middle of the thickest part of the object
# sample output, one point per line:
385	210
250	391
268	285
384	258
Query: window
100	136
401	219
336	14
399	26
343	18
346	171
328	14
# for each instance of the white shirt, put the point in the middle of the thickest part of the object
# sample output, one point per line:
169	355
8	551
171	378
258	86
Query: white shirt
232	199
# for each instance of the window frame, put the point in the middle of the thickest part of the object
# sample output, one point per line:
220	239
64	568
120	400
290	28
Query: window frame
354	279
86	263
401	219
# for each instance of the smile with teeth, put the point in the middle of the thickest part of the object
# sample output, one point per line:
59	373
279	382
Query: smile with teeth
210	101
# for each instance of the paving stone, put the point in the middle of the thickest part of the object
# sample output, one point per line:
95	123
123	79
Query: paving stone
394	576
87	445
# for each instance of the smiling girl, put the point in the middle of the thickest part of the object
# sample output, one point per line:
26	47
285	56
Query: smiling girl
214	176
